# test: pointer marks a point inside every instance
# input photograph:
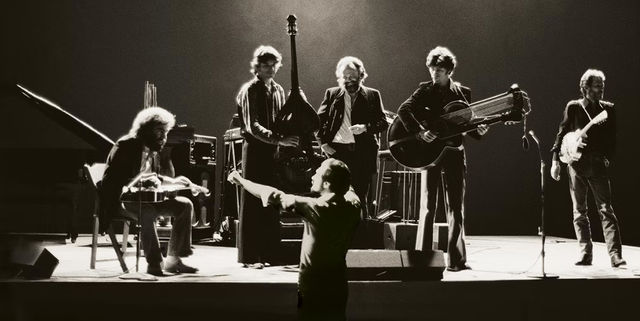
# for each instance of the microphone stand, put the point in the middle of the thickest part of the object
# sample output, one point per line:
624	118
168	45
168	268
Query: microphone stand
137	275
544	275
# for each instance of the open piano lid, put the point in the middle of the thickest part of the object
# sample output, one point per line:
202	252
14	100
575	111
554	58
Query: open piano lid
74	132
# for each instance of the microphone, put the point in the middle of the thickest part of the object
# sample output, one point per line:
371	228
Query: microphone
533	135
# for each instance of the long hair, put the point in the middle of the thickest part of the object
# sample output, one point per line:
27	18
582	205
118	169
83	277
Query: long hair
353	63
442	57
150	117
263	54
587	79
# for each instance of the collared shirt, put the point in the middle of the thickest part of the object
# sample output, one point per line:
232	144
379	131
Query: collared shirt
344	134
148	160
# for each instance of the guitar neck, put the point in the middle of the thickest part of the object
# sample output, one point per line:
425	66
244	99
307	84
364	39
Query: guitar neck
586	128
472	127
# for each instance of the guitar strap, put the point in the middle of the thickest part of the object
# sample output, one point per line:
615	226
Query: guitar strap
584	108
583	104
457	87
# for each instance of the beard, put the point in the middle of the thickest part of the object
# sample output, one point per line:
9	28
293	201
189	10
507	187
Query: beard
595	95
154	144
351	86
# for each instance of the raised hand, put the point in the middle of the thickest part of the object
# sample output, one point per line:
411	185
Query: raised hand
234	178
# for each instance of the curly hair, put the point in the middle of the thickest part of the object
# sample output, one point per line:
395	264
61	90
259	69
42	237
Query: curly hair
338	176
263	54
442	57
150	117
353	63
587	79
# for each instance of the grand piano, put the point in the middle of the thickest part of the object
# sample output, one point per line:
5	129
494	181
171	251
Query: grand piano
43	149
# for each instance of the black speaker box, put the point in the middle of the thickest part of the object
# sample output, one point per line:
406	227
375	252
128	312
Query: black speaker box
368	235
395	265
440	236
35	261
400	236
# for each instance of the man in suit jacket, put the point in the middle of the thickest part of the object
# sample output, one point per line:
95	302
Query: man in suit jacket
351	116
138	159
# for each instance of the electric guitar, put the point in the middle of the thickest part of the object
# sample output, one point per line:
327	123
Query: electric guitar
571	149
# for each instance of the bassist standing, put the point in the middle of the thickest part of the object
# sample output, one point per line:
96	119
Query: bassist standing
427	103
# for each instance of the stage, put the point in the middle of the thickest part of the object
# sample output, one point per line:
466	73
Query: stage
499	287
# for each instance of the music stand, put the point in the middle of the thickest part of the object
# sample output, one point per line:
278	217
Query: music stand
543	274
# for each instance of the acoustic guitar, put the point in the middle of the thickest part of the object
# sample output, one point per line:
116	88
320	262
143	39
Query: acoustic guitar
457	118
570	150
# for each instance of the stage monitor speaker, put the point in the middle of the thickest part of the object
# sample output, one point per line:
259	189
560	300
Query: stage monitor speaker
395	265
440	236
35	261
400	236
368	235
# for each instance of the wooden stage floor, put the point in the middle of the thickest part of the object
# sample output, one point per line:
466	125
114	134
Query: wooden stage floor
499	287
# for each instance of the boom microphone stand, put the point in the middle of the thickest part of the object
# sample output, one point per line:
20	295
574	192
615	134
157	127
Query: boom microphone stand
544	275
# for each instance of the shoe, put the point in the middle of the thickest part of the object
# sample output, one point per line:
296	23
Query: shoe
585	260
155	269
617	260
180	268
458	268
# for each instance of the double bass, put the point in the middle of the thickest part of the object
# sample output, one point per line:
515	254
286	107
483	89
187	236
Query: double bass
296	165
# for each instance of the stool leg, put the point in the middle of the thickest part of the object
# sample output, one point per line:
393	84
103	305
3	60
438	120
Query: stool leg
94	241
116	247
125	236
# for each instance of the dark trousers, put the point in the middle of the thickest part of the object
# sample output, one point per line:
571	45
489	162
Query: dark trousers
259	235
452	169
181	209
600	186
361	175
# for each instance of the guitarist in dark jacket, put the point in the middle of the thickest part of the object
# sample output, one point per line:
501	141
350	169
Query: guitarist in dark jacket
427	103
591	169
351	117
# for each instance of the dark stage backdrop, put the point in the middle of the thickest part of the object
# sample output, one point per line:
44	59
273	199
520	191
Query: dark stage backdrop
93	57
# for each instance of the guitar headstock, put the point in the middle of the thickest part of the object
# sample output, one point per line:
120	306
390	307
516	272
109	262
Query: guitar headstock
601	117
292	27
